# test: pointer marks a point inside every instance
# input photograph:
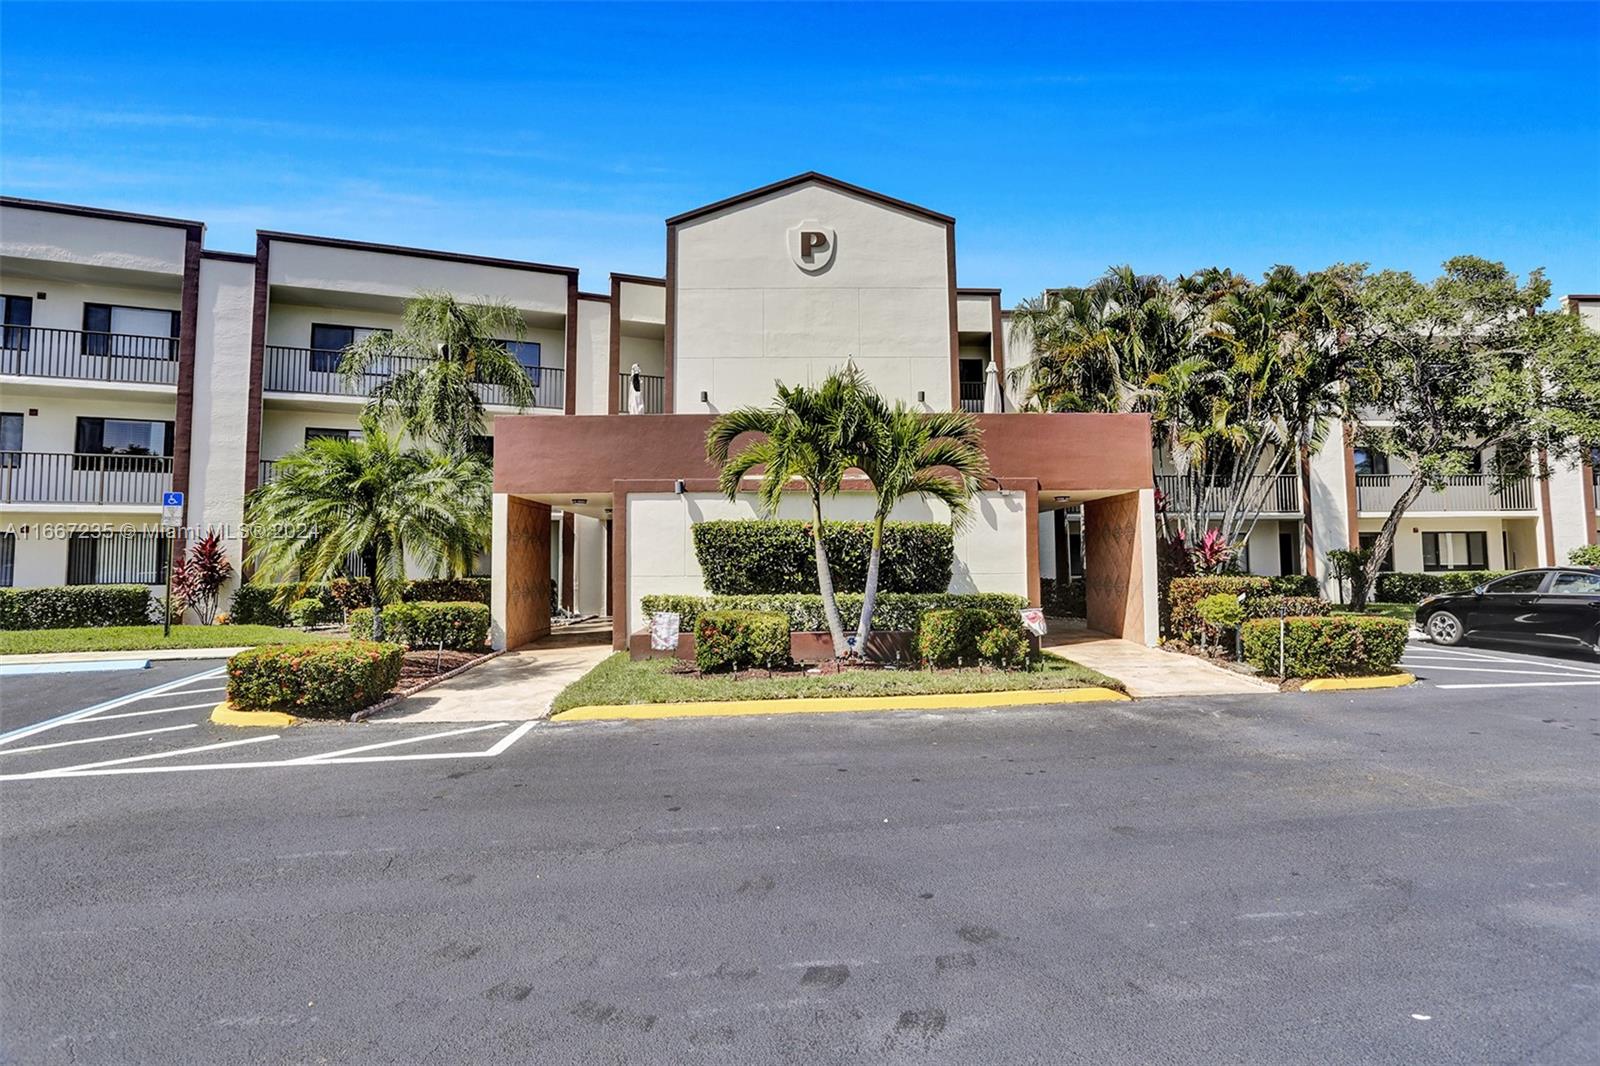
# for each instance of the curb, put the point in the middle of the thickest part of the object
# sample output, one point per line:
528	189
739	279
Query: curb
952	701
1341	684
225	714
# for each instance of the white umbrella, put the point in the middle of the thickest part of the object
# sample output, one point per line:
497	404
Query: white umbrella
993	401
635	391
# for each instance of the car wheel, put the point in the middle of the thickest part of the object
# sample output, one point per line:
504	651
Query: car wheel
1445	628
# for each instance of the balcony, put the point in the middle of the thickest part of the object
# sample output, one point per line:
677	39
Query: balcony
1282	493
652	387
27	351
315	371
266	471
972	397
84	478
1470	492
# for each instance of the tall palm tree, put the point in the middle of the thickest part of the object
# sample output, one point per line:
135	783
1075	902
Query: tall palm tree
370	497
800	440
906	453
443	349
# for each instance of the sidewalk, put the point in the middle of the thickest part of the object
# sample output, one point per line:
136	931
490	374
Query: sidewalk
512	687
1150	671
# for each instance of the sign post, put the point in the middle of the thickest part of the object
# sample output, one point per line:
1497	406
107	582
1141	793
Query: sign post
171	518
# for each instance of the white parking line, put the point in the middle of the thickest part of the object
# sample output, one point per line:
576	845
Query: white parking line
84	768
141	714
97	740
394	743
1520	684
1518	673
179	692
73	716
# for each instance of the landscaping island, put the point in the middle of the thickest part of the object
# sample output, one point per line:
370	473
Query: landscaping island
147	638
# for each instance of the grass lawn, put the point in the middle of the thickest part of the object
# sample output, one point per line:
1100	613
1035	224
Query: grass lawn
147	638
1403	611
621	680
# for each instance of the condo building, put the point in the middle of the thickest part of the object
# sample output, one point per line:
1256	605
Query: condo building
136	361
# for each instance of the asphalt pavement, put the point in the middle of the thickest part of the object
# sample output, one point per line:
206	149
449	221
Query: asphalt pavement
1393	876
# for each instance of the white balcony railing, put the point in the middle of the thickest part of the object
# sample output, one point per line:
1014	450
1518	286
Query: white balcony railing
84	478
1282	493
1469	492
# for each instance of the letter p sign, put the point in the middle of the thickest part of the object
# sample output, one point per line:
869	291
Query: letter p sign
811	246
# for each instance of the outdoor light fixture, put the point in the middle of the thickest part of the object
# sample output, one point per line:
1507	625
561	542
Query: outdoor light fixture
1063	499
922	396
705	397
579	500
677	486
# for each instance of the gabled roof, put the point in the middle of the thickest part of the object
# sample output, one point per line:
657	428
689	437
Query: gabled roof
810	177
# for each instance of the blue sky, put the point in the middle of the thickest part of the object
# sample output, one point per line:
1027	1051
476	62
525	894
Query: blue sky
1063	138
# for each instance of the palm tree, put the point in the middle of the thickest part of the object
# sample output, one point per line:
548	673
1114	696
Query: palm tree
369	497
801	440
443	349
906	453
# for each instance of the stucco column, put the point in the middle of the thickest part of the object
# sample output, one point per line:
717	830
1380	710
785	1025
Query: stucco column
1119	563
519	586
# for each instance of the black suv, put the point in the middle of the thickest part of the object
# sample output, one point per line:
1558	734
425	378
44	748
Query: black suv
1557	607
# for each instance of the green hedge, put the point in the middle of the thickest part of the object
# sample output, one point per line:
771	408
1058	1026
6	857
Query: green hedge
743	557
1403	587
966	636
1185	593
313	611
1588	555
313	680
1292	606
895	611
1063	599
727	640
462	626
76	607
447	590
1295	585
269	605
1329	646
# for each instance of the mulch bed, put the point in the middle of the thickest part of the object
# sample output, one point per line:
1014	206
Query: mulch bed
418	667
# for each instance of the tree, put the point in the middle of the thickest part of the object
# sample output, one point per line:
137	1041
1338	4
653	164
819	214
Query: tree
801	440
434	362
199	577
1468	362
905	453
371	498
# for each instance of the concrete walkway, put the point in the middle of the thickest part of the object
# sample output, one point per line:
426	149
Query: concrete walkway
513	687
1150	671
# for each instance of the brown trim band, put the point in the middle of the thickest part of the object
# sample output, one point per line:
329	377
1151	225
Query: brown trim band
417	253
188	326
614	348
669	347
1546	512
570	402
955	321
1353	519
599	297
99	212
1591	534
805	179
638	279
227	257
569	540
258	358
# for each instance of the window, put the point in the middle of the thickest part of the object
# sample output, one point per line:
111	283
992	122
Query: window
116	559
10	438
1371	461
1518	583
483	444
1474	463
1288	552
527	353
329	342
1455	551
8	559
1369	539
18	317
1573	584
317	433
135	332
123	436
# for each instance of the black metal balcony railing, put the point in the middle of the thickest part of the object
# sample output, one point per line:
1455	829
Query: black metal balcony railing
316	371
972	396
266	471
1282	495
30	351
653	387
79	477
1469	492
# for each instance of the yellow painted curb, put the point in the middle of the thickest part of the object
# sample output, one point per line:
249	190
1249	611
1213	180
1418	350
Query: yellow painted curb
225	714
1339	684
945	701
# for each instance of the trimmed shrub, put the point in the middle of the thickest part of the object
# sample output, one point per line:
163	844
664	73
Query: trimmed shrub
1401	587
312	611
313	680
270	605
1330	646
1588	555
461	626
966	636
1185	594
895	611
1295	585
77	607
351	593
1220	610
726	640
447	590
745	557
1286	606
1063	599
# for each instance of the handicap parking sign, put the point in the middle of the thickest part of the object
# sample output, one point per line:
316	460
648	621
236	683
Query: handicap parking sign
172	509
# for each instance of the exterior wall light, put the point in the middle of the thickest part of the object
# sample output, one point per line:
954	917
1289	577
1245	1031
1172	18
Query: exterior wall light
922	396
677	486
580	500
705	397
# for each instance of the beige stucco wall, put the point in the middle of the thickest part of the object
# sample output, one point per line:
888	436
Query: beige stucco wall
642	303
63	306
60	238
1521	537
289	325
41	557
1572	519
589	565
991	551
594	356
1330	506
221	401
747	314
387	274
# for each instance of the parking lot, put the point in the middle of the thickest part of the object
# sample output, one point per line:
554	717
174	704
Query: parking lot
1500	666
156	721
